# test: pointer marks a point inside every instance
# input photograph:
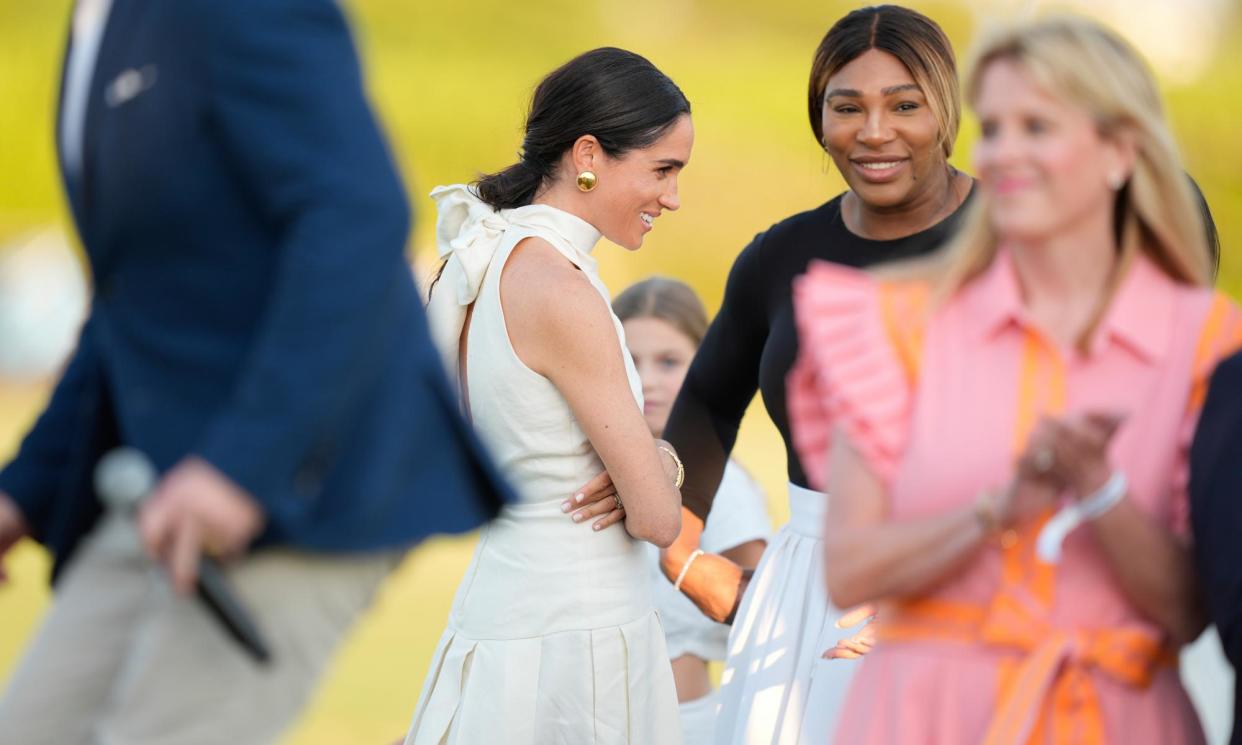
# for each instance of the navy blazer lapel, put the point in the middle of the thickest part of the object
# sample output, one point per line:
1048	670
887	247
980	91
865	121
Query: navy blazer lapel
110	49
72	184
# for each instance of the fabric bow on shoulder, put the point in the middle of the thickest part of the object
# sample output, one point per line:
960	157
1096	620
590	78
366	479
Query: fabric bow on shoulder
468	233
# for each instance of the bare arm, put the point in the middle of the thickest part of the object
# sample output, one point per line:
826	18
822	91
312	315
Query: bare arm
561	328
715	582
12	529
1155	570
867	556
870	557
746	555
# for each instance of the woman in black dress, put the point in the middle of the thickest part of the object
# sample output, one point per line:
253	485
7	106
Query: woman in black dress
884	103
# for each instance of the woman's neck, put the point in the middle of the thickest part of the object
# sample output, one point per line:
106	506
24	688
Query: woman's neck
564	199
929	207
1064	277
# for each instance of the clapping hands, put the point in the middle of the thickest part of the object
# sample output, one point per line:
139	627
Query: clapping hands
1062	454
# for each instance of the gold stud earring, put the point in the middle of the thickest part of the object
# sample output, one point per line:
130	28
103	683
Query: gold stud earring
586	181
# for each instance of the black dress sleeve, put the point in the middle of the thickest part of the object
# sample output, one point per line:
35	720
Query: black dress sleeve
721	383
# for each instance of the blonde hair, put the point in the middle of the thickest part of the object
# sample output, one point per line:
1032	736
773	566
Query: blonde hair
1090	67
912	38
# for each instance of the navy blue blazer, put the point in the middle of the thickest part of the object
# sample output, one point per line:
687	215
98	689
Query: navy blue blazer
245	227
1216	512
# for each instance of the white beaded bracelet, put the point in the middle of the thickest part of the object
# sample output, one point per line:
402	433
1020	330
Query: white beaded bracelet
696	553
1048	544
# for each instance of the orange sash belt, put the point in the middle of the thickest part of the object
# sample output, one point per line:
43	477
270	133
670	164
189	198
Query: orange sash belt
1047	687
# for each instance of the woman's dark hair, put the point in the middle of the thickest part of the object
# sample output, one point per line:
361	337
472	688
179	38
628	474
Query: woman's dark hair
615	95
669	300
912	38
1205	211
1209	226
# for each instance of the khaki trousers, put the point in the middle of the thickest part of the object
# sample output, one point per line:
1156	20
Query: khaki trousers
120	659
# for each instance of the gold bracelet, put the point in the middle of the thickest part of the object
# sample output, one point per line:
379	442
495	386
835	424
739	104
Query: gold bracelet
985	513
681	469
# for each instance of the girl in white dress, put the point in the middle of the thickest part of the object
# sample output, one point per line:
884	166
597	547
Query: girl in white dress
664	322
553	638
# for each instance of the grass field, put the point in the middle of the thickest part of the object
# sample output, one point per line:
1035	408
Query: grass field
450	82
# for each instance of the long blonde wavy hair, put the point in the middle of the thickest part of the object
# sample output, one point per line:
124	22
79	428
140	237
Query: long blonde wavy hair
1089	66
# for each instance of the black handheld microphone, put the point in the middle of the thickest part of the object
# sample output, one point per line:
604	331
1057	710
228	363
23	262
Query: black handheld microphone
123	479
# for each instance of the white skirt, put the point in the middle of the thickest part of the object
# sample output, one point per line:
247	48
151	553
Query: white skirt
608	686
776	688
698	720
1209	679
552	640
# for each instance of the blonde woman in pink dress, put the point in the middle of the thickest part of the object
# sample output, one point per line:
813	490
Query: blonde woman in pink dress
1005	431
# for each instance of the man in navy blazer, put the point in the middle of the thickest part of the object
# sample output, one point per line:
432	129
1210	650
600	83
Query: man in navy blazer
257	333
1216	511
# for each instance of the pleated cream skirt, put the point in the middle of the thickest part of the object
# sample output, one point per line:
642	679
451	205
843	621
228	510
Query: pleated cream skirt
553	640
607	686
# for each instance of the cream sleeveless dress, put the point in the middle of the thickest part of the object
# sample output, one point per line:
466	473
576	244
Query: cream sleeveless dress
552	638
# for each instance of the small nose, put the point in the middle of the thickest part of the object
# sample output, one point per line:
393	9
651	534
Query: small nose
875	129
999	149
670	200
644	374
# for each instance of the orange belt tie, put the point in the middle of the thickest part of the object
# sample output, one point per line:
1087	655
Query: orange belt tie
1049	689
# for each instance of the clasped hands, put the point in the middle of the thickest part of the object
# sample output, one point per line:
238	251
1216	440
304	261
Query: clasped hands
598	498
1063	456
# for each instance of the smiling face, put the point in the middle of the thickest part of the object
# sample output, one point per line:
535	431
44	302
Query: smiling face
1042	161
880	131
633	189
662	356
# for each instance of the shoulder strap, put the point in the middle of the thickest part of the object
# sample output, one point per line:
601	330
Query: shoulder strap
1219	337
903	308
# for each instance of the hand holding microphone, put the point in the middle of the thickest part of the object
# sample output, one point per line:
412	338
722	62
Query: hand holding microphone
194	507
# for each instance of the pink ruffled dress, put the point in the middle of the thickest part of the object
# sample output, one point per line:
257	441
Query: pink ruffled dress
1011	649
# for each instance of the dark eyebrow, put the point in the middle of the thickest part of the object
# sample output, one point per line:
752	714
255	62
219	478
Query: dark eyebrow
899	88
847	92
673	162
852	93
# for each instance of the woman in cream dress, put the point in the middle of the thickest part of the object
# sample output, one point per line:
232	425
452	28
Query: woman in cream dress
553	638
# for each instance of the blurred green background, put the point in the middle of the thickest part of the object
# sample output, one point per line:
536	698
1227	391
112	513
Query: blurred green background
451	81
